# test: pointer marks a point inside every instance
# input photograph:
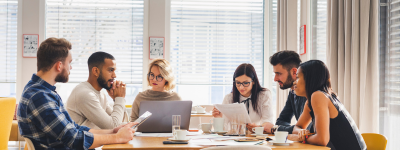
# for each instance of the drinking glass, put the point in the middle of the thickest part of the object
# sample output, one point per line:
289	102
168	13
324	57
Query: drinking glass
241	125
234	126
176	123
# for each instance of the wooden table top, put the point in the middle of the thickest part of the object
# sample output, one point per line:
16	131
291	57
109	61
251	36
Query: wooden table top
202	115
153	143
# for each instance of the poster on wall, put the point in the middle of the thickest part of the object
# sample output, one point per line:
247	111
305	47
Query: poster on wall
156	47
302	46
30	45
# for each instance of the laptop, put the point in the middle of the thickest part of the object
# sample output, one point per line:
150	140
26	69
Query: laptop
162	111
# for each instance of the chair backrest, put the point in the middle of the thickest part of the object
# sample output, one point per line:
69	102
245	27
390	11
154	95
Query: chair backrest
7	107
240	147
29	144
375	141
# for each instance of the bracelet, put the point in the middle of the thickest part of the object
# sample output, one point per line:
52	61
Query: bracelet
305	139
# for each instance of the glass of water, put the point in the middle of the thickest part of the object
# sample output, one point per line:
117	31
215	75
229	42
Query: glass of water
176	123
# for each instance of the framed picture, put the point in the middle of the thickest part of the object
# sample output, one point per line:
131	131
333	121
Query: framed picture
156	47
30	45
302	46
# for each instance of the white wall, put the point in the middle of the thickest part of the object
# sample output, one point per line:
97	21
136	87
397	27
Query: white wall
28	23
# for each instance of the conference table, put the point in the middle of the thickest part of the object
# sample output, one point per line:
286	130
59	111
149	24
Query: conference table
201	115
156	143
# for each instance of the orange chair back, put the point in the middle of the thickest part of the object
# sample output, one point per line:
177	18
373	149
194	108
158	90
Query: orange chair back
7	107
375	141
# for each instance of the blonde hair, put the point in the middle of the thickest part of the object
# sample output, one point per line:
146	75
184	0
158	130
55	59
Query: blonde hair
166	72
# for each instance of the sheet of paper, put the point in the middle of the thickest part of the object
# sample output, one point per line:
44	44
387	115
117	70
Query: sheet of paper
231	142
139	134
232	110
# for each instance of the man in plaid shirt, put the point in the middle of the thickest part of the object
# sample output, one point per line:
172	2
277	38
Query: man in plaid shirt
41	114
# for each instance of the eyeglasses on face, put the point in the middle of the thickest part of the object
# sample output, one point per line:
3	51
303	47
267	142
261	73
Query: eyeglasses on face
158	78
245	84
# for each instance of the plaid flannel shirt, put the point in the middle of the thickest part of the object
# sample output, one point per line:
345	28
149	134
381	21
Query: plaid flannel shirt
43	119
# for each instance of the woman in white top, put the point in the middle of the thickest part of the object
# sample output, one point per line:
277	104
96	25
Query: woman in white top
247	89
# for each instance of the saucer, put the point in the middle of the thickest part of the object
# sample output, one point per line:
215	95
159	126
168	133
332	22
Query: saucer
259	134
282	144
219	132
195	112
185	140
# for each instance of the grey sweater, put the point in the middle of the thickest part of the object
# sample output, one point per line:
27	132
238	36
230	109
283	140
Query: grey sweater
150	95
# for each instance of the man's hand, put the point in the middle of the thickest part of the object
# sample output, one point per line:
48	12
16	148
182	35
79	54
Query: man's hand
125	133
267	127
119	89
216	113
115	130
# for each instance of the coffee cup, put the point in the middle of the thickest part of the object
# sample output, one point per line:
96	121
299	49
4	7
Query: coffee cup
258	130
280	136
218	124
200	110
180	135
206	127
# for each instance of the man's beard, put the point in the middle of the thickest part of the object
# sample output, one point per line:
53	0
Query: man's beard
62	77
103	83
288	83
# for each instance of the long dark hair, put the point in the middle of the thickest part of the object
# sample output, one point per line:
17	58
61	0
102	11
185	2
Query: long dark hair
317	78
248	70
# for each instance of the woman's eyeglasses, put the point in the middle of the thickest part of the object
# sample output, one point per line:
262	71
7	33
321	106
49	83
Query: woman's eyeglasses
245	84
158	78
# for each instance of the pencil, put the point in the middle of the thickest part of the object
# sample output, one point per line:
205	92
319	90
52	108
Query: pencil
309	134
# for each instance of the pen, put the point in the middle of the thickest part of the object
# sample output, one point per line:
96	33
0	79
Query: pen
259	143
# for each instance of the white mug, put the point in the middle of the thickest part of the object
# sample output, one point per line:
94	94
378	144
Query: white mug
206	127
200	110
180	135
280	136
218	124
258	130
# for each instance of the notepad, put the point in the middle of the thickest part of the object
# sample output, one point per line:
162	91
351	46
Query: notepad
142	118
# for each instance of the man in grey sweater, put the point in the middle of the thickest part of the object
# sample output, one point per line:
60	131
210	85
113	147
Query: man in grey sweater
87	104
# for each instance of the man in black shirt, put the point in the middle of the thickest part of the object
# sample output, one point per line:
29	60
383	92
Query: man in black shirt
285	64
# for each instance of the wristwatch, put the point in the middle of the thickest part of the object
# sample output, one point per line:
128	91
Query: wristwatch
274	128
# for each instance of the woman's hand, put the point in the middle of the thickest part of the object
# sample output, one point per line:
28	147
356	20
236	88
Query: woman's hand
294	137
250	126
216	113
302	134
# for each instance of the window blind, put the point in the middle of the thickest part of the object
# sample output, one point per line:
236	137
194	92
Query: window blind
391	111
319	16
210	38
8	40
113	26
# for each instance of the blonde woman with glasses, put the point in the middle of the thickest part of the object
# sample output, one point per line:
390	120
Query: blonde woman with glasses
161	79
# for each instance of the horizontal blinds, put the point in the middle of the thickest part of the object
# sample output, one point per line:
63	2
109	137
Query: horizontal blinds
319	17
113	26
210	38
8	40
393	56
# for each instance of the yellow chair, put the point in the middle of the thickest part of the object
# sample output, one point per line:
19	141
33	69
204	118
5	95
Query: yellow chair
7	107
29	145
375	141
